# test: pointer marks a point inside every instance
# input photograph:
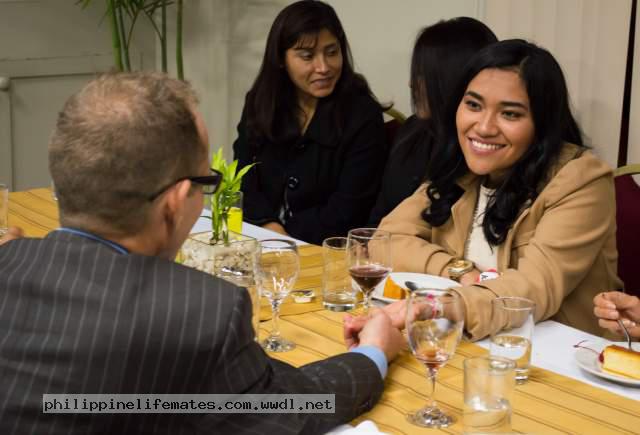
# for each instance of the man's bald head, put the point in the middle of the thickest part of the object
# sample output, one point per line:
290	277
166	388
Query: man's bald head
117	141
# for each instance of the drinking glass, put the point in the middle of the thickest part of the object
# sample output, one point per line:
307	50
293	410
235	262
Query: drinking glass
513	341
4	209
489	383
369	255
234	218
434	322
278	269
338	293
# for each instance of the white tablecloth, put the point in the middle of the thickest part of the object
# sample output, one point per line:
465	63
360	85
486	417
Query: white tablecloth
553	350
204	224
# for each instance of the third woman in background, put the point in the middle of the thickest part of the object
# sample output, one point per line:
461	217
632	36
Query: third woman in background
314	128
439	55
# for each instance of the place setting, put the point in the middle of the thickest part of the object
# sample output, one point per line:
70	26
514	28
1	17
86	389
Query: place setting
612	361
397	285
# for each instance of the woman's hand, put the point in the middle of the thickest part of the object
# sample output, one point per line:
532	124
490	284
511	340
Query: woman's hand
277	227
611	306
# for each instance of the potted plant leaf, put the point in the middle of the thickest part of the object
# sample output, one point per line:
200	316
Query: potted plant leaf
123	15
224	200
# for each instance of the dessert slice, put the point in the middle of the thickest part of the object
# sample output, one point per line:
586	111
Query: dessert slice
393	290
621	361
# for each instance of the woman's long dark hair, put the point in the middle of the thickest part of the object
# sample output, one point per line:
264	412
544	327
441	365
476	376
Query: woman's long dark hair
553	122
272	109
439	55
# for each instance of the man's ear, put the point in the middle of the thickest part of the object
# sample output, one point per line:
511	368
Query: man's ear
174	203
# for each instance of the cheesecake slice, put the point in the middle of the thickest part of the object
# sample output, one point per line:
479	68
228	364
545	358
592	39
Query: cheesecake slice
393	290
621	361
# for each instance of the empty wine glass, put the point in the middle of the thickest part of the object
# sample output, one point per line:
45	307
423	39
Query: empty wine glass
434	321
369	255
278	270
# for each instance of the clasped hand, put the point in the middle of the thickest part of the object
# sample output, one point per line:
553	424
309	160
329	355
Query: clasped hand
380	328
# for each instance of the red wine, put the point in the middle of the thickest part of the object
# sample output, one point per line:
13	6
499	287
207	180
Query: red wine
368	276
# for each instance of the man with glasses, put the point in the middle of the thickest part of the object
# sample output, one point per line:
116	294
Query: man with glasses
99	305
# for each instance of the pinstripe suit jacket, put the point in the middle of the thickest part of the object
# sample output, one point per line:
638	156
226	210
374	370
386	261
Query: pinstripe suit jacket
78	317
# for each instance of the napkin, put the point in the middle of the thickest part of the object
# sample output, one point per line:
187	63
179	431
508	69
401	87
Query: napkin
367	427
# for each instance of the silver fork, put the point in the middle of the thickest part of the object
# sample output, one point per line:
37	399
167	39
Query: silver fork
626	333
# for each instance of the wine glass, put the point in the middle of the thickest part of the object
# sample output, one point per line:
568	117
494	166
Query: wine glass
434	327
278	269
369	255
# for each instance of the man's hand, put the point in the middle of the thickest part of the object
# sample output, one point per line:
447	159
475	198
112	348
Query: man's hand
353	325
275	226
378	331
12	234
611	306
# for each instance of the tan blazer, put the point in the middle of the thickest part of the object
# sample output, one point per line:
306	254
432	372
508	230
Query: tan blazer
560	251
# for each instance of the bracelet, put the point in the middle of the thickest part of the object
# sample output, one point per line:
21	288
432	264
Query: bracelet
488	274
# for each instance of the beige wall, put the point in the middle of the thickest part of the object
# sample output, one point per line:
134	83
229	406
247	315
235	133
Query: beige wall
48	50
382	33
589	39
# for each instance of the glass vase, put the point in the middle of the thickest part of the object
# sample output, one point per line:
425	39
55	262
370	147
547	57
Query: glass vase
234	260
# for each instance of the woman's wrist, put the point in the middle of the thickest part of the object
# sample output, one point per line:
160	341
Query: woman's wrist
470	277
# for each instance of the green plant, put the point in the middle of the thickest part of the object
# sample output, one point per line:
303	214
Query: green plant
122	29
226	196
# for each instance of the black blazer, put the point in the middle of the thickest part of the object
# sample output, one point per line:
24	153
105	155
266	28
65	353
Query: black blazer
328	182
406	167
78	317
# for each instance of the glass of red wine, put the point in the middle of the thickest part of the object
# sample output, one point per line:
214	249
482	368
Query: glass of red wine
434	322
369	254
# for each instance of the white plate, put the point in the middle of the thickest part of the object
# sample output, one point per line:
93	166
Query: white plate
588	361
421	279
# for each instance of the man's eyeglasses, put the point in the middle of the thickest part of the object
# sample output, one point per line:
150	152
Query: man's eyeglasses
209	184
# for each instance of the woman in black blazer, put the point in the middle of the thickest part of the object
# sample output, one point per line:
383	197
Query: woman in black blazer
439	55
314	129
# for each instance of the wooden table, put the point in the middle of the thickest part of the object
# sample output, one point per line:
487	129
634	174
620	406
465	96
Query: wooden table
34	211
548	404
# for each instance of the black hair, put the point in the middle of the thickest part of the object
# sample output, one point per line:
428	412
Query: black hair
439	55
272	109
553	122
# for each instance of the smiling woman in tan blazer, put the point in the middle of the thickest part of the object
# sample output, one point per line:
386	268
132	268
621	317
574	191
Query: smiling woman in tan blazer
510	192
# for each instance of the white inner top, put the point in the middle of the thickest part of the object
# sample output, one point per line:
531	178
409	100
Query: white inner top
478	249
